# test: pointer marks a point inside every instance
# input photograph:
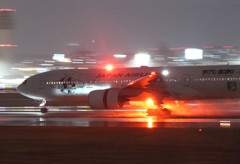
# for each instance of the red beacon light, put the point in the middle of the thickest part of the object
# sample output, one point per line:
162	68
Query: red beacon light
153	73
109	67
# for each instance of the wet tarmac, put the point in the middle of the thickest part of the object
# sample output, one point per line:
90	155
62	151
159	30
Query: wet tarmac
194	114
84	117
195	132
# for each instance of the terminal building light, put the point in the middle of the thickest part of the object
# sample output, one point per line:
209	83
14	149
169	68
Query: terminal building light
61	58
193	54
120	55
142	59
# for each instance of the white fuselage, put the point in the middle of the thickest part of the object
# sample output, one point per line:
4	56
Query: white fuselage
189	82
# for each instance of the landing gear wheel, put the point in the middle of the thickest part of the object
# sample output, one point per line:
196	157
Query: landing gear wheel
44	110
160	112
166	112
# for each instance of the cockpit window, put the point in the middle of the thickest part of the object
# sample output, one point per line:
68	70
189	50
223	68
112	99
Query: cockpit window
25	82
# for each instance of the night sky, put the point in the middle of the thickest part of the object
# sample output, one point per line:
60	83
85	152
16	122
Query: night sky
44	27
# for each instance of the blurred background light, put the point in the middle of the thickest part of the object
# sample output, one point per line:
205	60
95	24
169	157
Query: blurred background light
142	59
120	55
193	53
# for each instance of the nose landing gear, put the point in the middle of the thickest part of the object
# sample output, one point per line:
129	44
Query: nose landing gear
43	108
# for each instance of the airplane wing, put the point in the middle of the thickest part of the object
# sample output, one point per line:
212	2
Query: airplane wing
144	82
152	83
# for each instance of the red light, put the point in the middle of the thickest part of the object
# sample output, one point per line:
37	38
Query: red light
93	41
109	67
228	47
208	47
153	73
179	48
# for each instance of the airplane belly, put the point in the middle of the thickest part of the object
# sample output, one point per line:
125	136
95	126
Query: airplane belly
205	90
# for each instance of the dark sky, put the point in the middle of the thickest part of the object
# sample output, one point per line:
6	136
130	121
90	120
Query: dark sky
44	27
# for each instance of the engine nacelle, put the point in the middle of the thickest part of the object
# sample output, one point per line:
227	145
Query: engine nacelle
104	99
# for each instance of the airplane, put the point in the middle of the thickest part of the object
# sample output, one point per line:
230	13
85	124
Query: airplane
114	87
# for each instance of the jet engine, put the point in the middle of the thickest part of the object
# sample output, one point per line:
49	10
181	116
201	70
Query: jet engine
104	99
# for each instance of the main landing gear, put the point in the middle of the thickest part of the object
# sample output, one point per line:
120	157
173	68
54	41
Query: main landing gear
158	111
43	108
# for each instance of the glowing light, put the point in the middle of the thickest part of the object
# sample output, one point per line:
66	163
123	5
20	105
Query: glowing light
120	55
225	124
208	47
193	53
73	44
93	41
179	48
228	47
165	72
109	67
8	45
142	59
153	73
150	123
61	58
150	102
38	69
7	10
49	61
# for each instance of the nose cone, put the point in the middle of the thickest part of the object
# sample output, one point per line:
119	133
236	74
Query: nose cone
20	88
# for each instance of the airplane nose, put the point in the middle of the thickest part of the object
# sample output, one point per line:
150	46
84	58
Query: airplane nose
20	88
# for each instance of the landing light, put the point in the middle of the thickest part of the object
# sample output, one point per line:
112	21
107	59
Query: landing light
149	102
109	67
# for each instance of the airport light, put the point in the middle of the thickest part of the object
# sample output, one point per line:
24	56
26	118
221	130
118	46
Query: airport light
120	55
58	56
193	53
142	59
61	58
165	72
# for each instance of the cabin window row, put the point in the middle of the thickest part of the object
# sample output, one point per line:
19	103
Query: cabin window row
90	82
62	82
216	79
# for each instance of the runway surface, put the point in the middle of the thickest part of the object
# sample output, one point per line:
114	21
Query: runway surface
196	132
17	110
85	117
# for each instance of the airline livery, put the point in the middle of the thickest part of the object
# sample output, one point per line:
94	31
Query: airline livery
111	89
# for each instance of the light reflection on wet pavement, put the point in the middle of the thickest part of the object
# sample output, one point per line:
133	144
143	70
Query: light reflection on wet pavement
82	116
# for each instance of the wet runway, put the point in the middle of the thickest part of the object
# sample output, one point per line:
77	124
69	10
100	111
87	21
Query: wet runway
85	117
17	110
196	132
